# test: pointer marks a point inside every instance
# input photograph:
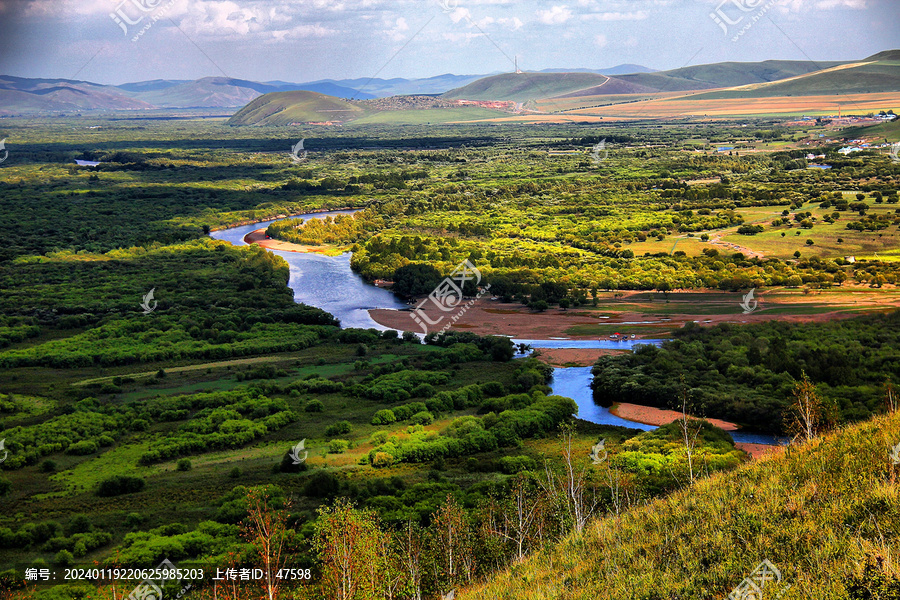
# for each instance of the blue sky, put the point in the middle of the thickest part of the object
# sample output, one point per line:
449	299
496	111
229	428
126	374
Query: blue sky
304	40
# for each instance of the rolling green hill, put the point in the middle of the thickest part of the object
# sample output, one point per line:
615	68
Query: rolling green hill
284	108
726	74
890	131
820	514
852	78
521	87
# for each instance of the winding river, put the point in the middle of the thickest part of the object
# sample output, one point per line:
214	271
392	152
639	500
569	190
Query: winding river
327	282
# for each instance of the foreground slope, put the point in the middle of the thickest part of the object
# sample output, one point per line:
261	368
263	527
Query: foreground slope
819	513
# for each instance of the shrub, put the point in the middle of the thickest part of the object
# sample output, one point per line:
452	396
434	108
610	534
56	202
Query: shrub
48	466
235	473
492	389
120	484
64	558
515	464
384	417
134	520
423	418
82	448
338	428
382	459
314	406
338	446
289	465
184	465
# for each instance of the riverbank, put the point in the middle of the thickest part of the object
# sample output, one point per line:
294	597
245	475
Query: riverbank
311	214
650	415
260	238
642	315
490	317
574	357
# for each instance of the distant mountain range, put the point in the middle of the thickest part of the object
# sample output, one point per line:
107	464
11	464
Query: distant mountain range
19	95
878	73
502	96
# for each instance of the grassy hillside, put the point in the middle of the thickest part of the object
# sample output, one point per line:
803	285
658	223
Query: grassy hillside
525	86
725	74
818	513
860	78
284	108
889	131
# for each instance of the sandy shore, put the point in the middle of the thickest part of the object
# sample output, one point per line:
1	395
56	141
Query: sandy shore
574	357
259	238
657	416
488	317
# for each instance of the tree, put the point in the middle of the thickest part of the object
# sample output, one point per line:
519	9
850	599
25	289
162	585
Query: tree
409	549
804	415
348	542
891	401
569	489
415	279
516	517
452	544
690	429
266	530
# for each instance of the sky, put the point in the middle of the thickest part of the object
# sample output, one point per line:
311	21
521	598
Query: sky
121	41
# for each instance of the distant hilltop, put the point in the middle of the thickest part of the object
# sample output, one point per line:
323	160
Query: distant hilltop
879	73
20	95
523	94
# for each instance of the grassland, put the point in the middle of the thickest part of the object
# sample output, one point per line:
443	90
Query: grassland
810	512
203	399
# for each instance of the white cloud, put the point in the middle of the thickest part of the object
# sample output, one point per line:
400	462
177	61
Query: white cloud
398	32
638	15
600	40
829	4
555	16
515	24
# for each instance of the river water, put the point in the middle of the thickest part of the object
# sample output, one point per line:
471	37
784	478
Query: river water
327	282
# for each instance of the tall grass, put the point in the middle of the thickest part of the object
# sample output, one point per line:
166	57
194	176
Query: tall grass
817	512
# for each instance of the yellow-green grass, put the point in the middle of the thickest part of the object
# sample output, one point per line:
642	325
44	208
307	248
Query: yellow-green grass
428	116
815	512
